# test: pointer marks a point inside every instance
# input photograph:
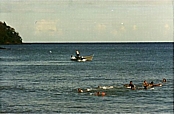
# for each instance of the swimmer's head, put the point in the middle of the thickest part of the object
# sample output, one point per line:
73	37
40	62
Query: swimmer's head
164	80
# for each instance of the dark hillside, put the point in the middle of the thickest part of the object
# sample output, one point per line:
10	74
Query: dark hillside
8	35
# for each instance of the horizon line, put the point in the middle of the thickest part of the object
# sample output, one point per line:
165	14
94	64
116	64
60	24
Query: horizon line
95	42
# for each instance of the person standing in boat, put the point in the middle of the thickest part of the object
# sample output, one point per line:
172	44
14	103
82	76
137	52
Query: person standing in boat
77	53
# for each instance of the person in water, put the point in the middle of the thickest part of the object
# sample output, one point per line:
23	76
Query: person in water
80	90
132	85
105	87
100	93
164	80
145	84
153	85
149	85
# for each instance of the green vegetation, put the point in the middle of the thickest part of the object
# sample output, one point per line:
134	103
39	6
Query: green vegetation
8	35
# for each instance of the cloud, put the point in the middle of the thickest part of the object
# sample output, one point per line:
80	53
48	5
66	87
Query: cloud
100	27
114	32
122	28
167	27
47	26
134	27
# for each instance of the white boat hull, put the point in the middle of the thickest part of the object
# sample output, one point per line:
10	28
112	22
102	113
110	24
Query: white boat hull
82	58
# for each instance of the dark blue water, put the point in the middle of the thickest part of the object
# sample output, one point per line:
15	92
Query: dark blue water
40	78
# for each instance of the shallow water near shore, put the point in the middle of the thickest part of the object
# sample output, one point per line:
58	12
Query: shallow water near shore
41	78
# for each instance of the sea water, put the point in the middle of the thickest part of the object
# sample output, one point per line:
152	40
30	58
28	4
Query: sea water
41	78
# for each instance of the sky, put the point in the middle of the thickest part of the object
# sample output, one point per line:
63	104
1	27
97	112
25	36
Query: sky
90	20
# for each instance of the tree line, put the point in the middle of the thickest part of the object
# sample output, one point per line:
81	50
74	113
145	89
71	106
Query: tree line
8	35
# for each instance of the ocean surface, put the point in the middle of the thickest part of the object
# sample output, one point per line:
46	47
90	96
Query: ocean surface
41	78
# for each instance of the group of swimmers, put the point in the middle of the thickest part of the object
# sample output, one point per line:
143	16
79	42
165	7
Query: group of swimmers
98	93
146	85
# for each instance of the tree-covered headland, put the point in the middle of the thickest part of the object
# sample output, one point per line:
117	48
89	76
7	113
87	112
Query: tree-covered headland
8	35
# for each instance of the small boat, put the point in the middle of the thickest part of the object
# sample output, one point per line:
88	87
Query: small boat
81	58
2	48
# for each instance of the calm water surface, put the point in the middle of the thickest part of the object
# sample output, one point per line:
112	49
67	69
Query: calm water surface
36	78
